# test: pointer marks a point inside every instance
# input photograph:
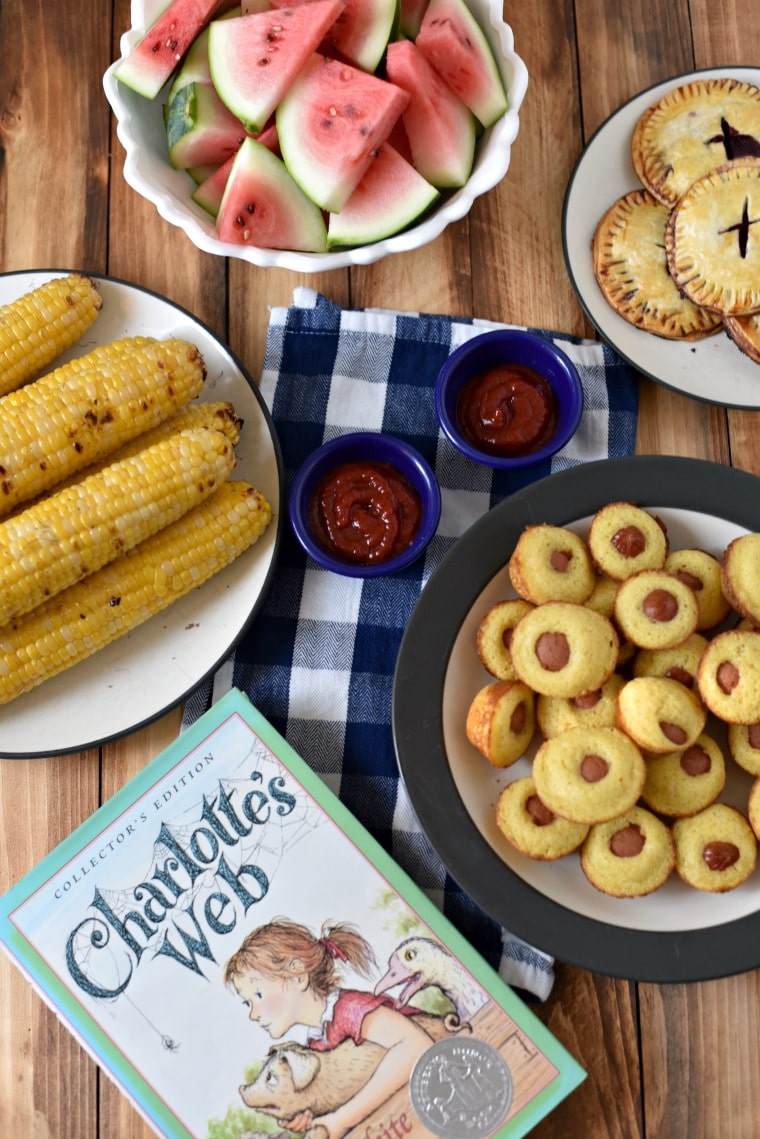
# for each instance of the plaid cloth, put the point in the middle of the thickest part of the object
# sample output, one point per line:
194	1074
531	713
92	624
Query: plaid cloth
318	661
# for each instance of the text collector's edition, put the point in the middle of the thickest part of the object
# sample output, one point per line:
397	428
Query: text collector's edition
237	953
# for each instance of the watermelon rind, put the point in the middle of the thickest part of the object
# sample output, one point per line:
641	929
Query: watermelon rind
390	196
159	52
330	124
456	45
410	17
255	58
262	206
200	130
441	130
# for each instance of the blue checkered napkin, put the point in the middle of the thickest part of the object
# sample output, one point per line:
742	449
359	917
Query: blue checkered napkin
319	659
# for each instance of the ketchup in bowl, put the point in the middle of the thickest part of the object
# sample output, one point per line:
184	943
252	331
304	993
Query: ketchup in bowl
365	512
509	409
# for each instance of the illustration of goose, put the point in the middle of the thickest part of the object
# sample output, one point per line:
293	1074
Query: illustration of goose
419	962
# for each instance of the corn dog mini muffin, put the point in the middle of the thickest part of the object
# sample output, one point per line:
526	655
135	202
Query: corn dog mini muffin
654	610
660	714
629	857
501	721
740	575
602	596
551	563
702	573
564	649
753	807
744	746
555	714
624	538
528	824
729	676
494	637
589	775
682	783
716	850
680	663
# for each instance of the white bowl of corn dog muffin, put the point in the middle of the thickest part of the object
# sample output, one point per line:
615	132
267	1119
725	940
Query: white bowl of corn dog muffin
139	508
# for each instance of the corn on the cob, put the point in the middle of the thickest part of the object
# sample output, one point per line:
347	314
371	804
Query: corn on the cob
79	413
94	612
43	323
64	537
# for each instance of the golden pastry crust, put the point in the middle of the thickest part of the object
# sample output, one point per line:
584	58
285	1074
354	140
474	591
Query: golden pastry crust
680	663
729	676
702	572
691	130
660	715
564	649
682	783
655	610
740	575
745	333
744	746
589	775
495	634
551	563
555	714
713	239
624	538
631	267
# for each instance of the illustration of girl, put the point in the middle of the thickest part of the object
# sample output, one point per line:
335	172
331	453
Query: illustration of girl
286	977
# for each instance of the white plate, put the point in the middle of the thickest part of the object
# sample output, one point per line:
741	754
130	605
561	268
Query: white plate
675	934
712	369
149	671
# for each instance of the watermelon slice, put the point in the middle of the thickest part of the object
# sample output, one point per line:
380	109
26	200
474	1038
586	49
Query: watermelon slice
330	124
263	206
254	59
361	32
200	131
156	56
210	191
453	41
440	128
390	196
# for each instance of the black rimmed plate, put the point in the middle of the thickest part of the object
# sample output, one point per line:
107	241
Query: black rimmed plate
711	369
152	669
675	934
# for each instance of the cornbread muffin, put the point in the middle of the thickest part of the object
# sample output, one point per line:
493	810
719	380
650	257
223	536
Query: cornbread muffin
729	676
632	270
624	538
740	575
745	333
716	850
550	563
654	610
501	721
589	775
602	597
702	573
712	256
679	663
753	807
660	714
531	827
495	634
564	649
682	783
597	709
630	856
691	130
744	746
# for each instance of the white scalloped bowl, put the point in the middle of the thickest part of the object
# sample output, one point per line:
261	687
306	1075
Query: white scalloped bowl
140	129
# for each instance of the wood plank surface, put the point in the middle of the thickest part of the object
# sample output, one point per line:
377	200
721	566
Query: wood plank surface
664	1061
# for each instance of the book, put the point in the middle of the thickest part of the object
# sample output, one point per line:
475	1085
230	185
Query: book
242	958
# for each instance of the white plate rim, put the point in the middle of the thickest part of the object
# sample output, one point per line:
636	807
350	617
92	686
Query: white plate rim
711	370
104	698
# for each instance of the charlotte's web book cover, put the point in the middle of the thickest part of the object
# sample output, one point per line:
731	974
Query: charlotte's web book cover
243	959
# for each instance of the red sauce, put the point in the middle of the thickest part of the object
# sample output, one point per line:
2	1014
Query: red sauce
508	410
365	512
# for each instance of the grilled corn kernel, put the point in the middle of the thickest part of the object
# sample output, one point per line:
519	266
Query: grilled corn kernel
39	326
120	596
74	532
81	412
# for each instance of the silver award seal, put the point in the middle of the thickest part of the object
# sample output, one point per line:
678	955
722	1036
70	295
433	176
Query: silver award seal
461	1089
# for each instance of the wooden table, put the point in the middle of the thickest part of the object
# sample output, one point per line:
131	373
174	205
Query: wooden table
664	1061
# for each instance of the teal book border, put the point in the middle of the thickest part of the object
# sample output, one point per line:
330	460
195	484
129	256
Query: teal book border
108	1055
